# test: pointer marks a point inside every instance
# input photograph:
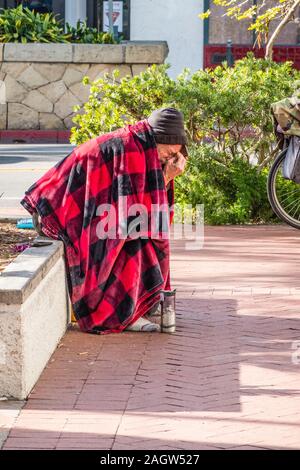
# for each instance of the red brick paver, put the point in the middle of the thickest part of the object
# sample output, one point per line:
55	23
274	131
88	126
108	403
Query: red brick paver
225	380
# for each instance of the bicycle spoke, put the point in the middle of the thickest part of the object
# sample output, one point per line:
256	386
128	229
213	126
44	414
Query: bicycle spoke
291	204
297	208
288	197
289	193
283	194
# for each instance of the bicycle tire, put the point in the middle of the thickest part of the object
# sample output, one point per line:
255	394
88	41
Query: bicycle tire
273	200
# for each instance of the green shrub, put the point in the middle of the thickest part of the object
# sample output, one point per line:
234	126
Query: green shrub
227	119
236	116
229	106
232	193
85	34
23	25
114	102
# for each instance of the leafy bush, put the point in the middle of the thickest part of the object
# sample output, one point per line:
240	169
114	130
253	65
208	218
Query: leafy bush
24	25
231	194
228	106
114	102
235	109
87	35
227	119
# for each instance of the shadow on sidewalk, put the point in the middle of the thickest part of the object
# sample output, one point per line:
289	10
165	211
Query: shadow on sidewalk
195	369
141	390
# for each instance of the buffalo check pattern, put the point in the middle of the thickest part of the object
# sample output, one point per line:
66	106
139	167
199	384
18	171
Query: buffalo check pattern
112	281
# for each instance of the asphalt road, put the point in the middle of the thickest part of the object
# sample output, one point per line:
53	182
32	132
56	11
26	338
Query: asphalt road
20	167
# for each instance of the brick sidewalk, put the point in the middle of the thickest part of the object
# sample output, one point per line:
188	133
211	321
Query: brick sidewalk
225	380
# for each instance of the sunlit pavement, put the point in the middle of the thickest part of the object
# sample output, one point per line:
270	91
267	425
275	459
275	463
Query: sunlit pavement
228	379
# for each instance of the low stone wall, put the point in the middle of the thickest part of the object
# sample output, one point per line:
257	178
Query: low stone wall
34	313
40	83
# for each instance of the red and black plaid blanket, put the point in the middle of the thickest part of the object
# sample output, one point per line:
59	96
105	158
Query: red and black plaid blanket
112	280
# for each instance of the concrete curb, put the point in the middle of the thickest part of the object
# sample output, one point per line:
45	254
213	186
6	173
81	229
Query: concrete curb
34	314
139	52
17	281
10	220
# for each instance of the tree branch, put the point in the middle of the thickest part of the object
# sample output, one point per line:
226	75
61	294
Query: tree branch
283	22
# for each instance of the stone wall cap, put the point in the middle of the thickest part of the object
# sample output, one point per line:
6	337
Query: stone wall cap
142	51
149	52
37	52
98	53
146	42
21	277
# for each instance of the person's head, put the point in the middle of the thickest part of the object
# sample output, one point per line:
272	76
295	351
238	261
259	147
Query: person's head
167	151
168	128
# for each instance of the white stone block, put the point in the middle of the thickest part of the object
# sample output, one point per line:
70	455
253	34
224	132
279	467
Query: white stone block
98	53
37	52
35	100
32	79
15	92
22	117
3	116
49	121
54	91
52	72
82	92
14	68
64	107
33	317
72	76
146	53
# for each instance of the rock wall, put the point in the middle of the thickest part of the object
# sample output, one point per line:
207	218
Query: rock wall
41	83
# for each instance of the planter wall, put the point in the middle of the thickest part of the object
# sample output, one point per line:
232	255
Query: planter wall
34	314
40	83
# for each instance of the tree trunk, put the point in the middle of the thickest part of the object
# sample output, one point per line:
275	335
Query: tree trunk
283	22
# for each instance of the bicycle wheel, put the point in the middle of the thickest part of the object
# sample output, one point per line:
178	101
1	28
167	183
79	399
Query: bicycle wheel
283	194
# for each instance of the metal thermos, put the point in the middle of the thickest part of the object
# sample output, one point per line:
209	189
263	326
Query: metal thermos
168	312
155	315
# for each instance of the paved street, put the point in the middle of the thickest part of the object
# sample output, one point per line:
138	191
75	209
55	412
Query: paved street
228	379
20	167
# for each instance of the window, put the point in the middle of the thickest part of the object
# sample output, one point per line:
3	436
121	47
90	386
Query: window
121	16
42	6
95	12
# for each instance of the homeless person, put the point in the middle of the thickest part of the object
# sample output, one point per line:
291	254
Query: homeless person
110	202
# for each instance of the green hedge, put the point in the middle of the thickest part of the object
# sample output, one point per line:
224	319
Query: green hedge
22	25
233	193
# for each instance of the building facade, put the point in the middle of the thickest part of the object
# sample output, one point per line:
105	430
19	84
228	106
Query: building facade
193	43
173	21
220	29
94	11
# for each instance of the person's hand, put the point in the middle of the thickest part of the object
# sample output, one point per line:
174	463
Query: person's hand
174	167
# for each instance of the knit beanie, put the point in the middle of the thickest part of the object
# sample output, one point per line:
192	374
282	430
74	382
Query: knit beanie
168	127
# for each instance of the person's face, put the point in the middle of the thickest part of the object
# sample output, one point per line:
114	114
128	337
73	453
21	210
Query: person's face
166	151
